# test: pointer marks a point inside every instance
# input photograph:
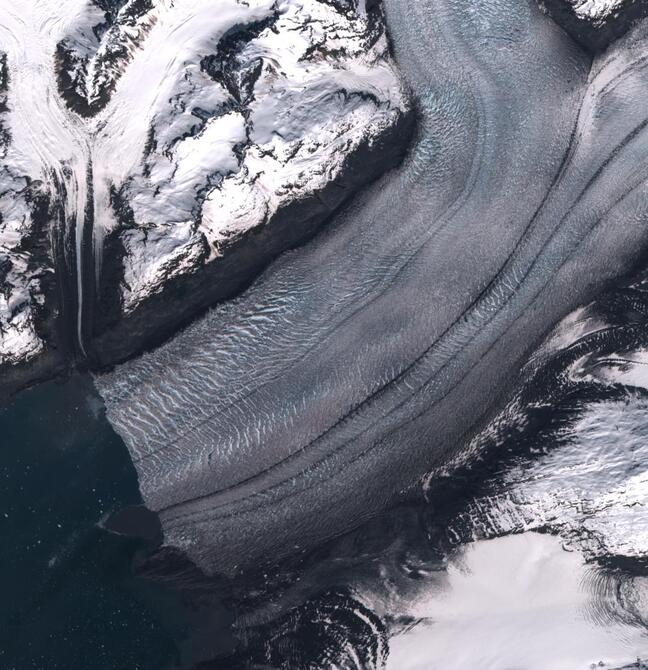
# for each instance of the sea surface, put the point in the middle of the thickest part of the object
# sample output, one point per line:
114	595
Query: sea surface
68	598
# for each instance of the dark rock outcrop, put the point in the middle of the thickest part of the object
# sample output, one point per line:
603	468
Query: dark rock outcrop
595	25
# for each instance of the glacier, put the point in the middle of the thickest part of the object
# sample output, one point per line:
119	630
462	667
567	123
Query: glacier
143	184
306	405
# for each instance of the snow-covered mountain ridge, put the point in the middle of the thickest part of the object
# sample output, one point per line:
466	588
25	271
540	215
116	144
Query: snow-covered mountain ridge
157	154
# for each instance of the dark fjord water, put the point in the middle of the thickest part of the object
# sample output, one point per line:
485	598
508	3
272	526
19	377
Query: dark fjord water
529	553
68	600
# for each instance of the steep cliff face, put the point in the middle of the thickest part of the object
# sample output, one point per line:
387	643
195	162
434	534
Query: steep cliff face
157	155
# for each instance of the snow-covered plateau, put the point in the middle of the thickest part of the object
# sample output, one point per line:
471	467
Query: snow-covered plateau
157	154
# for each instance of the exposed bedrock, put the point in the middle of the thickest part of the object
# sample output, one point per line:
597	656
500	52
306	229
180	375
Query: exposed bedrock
372	354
